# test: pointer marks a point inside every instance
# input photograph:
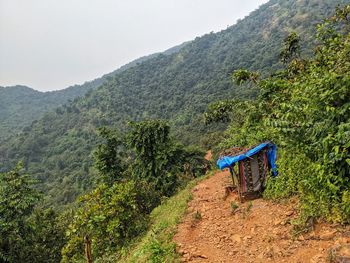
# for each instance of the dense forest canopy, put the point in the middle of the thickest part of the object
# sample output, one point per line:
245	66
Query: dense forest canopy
110	148
178	86
305	109
20	105
135	172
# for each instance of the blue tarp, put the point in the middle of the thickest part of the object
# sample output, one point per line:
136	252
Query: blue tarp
227	161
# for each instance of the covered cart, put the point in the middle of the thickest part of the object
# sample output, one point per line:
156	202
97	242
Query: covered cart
253	166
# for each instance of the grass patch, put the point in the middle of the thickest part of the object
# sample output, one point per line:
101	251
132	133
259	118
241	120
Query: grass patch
234	207
157	244
247	209
197	216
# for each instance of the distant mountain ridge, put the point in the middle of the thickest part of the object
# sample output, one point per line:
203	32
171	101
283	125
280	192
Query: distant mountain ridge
177	87
21	105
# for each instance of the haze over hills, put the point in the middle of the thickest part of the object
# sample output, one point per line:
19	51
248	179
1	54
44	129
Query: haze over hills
176	86
21	105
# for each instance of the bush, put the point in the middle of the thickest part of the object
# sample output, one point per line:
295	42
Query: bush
294	169
305	109
109	217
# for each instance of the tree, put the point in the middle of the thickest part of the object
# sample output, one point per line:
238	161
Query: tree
17	200
242	75
108	217
305	109
47	238
155	158
291	48
136	174
109	157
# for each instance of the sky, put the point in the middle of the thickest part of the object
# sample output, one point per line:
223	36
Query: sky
53	44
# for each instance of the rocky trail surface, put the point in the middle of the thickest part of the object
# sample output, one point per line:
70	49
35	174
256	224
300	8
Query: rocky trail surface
217	228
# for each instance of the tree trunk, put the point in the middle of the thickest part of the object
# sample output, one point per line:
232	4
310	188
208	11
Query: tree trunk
88	253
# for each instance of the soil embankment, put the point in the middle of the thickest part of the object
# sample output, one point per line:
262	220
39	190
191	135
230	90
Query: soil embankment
217	228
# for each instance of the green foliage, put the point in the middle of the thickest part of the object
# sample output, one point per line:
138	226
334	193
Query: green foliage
17	200
159	160
219	111
109	159
238	112
177	86
117	211
291	49
305	109
157	244
154	156
149	140
316	119
294	169
246	211
27	234
197	216
192	162
234	207
109	216
241	76
211	140
47	238
20	105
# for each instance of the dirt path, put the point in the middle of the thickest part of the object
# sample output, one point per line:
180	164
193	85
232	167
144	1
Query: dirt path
257	231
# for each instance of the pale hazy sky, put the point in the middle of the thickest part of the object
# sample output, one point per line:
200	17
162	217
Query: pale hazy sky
52	44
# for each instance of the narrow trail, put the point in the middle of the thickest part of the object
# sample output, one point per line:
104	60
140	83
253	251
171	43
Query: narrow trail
257	231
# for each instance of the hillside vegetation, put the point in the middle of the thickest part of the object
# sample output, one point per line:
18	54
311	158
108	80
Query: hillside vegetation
305	109
178	86
21	105
136	172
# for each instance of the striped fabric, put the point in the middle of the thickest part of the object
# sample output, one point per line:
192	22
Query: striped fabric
252	173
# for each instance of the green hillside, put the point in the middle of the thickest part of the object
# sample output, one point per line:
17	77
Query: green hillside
177	86
21	105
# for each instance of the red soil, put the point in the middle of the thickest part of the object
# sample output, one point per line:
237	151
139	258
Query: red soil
257	231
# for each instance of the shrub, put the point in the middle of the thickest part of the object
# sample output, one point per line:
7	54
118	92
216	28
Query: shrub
109	217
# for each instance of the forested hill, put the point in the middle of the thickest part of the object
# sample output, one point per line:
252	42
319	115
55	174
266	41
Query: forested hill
176	86
21	105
